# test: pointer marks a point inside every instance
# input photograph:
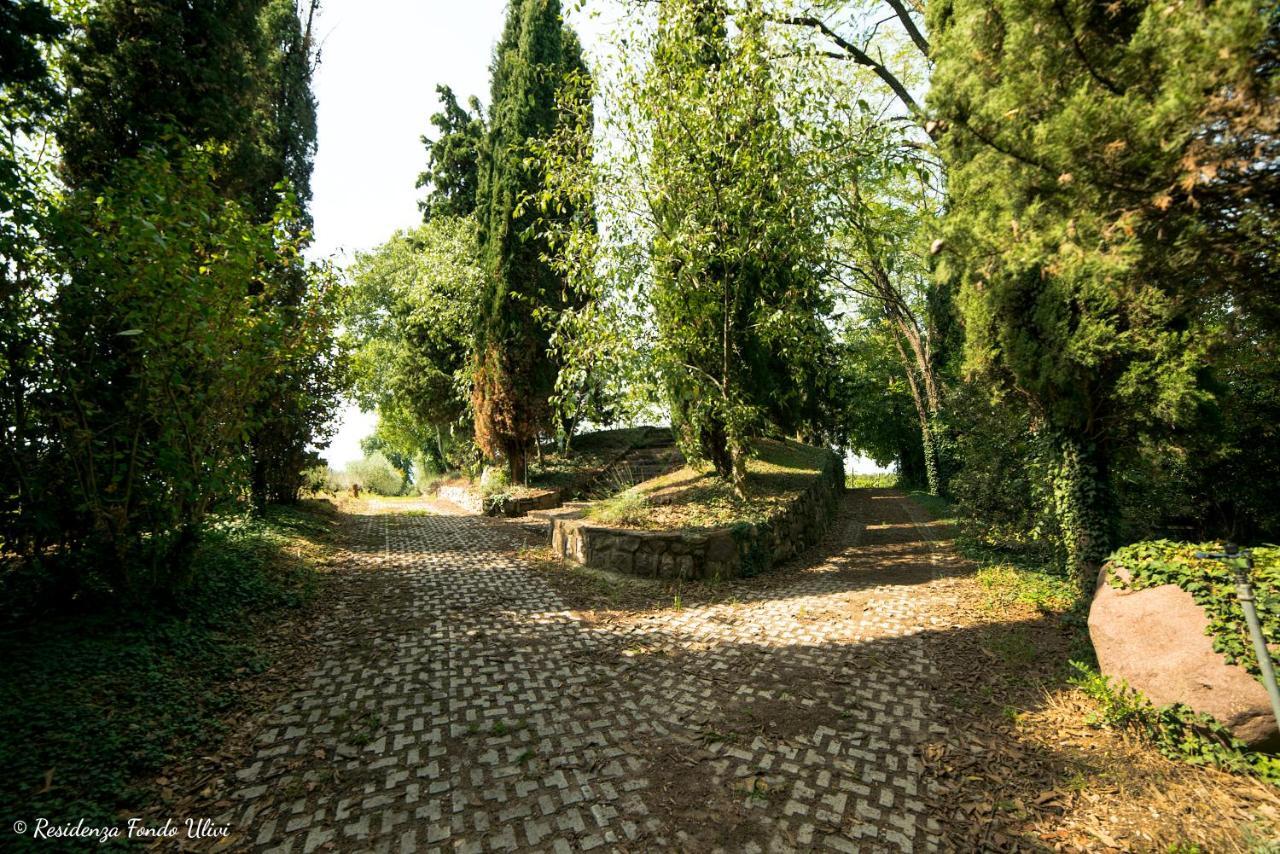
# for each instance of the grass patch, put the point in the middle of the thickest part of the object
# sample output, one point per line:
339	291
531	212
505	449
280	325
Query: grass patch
93	705
1039	587
938	507
588	454
694	498
879	480
628	508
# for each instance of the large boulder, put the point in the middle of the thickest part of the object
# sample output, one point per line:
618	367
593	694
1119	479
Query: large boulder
1155	640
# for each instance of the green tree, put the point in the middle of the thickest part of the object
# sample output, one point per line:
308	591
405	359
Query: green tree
29	99
410	323
144	69
158	354
453	158
735	288
1093	270
878	416
514	375
297	401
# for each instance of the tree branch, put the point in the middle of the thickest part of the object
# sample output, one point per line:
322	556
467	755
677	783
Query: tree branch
854	54
909	25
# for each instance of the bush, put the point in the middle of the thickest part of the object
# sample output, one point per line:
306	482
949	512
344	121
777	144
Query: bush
319	478
160	335
375	474
494	482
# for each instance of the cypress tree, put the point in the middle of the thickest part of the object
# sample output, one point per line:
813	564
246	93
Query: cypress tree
514	374
453	158
145	70
295	400
235	74
1081	224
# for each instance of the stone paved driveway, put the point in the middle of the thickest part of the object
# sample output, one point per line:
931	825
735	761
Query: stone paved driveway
466	707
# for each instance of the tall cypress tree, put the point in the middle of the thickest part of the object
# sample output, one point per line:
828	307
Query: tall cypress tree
295	401
145	70
514	375
235	74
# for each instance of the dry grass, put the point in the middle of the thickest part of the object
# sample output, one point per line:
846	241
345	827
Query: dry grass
694	498
1020	766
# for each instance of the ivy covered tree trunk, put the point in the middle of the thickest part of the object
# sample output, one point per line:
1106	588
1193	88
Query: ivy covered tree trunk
1082	506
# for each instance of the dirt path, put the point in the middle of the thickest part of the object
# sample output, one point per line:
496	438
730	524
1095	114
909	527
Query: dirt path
469	695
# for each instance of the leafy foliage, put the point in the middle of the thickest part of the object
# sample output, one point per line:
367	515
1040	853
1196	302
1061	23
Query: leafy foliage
1082	226
410	319
735	291
142	69
376	474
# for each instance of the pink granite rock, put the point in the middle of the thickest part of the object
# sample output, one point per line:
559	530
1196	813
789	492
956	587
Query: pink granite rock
1154	640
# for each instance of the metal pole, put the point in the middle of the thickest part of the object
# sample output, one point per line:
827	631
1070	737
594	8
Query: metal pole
1241	563
1243	566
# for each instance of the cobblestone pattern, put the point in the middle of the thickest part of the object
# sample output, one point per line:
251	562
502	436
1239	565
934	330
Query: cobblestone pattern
467	709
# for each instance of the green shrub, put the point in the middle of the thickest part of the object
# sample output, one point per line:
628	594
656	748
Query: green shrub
494	482
161	334
318	479
375	474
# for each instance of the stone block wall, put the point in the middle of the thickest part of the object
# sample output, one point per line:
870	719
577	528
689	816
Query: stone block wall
470	499
717	554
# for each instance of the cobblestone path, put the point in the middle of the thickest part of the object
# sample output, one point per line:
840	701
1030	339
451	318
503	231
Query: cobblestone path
466	707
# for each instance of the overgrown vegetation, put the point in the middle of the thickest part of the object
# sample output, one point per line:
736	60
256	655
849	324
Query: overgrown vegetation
94	703
170	349
1176	731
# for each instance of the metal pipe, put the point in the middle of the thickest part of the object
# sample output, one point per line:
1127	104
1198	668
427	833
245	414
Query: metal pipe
1244	591
1241	562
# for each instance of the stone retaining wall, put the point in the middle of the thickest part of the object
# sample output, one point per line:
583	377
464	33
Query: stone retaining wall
717	554
469	499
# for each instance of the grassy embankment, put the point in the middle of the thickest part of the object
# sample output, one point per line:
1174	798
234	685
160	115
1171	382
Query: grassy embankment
694	498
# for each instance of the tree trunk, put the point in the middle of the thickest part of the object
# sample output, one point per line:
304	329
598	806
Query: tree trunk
933	480
517	465
1082	506
738	469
